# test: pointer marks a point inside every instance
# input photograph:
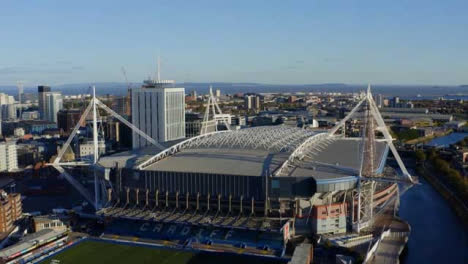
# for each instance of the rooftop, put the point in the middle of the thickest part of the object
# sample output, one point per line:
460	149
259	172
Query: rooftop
48	218
29	241
257	151
130	158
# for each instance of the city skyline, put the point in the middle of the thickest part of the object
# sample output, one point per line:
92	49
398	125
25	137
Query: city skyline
263	42
267	131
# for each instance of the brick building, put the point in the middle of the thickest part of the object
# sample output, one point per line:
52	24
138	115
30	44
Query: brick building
10	210
330	218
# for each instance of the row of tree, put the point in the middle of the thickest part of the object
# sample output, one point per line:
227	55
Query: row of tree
406	135
463	142
445	172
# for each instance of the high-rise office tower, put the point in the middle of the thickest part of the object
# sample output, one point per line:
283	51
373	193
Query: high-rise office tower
8	156
8	111
6	99
20	98
158	109
252	102
53	103
122	105
218	93
7	107
67	119
42	90
379	100
20	92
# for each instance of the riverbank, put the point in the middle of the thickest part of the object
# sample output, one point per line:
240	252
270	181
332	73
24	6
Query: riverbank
455	203
426	139
437	233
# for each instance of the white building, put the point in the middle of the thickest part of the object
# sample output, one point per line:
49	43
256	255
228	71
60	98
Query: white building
7	107
8	111
8	156
218	93
158	109
30	115
19	132
53	104
6	99
379	101
252	102
87	149
221	118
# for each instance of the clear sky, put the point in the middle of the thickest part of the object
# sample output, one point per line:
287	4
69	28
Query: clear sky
313	41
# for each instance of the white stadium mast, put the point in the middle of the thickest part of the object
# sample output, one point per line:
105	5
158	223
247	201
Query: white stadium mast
374	113
367	178
93	106
212	109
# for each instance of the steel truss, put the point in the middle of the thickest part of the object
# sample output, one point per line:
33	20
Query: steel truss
307	148
268	138
368	101
93	105
362	200
177	148
212	109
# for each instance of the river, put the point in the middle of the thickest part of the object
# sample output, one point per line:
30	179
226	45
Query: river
445	141
437	235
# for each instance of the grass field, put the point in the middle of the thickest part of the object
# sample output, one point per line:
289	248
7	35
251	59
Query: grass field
90	252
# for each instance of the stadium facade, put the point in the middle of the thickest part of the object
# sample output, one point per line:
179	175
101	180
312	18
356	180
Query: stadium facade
273	182
248	179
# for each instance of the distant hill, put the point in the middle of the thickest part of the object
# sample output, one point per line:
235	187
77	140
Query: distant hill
120	88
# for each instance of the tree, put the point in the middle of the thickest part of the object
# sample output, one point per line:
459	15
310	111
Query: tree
420	156
432	154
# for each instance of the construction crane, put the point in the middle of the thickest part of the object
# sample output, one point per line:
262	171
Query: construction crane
129	92
124	72
20	86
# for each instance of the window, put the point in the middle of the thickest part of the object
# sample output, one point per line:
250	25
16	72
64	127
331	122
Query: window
275	184
46	225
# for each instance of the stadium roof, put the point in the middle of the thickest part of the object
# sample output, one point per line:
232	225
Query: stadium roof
263	150
130	158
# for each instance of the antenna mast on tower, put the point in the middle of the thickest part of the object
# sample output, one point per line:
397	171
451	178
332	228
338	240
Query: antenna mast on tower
159	68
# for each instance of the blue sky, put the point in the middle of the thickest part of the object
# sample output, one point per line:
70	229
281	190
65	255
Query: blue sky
326	41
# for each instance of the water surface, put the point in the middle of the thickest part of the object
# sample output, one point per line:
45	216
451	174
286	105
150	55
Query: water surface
437	234
445	141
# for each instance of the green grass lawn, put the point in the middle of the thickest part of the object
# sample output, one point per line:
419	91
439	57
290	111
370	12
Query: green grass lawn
90	252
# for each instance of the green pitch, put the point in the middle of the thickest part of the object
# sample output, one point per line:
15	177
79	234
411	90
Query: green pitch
91	252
